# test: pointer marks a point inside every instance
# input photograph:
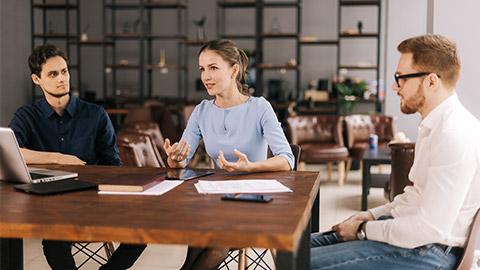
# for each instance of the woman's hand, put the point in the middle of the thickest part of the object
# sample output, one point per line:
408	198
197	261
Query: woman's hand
176	153
241	165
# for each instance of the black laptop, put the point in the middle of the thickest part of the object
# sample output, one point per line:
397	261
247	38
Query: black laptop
56	187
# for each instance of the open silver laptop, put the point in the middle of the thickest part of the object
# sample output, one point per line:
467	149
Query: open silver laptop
13	167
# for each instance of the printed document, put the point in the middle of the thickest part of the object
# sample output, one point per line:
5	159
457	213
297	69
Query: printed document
241	186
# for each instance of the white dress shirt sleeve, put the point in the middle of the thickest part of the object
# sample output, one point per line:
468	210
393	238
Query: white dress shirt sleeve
450	166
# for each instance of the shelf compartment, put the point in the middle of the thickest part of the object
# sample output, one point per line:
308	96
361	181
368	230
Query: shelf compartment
122	6
194	42
281	4
238	36
54	35
119	66
175	67
165	4
54	5
279	35
359	67
123	36
318	42
359	2
91	42
269	66
236	4
363	35
165	37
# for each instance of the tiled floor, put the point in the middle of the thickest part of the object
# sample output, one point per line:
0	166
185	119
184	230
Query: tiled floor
336	204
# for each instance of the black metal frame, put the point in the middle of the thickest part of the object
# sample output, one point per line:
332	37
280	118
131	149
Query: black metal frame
67	37
378	4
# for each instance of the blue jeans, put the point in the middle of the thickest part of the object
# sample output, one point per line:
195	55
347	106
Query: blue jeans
327	252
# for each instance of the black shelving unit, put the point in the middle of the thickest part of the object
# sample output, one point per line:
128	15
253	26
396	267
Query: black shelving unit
342	4
181	9
262	36
44	34
259	36
145	35
116	37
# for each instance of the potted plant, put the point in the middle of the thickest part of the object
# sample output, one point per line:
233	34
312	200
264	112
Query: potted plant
349	92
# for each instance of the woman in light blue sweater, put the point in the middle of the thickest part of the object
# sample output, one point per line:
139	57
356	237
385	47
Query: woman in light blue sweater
236	129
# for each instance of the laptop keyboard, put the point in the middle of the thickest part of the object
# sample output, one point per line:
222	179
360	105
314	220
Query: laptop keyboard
38	175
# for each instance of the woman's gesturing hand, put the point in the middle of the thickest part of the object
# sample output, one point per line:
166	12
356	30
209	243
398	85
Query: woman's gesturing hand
176	153
241	165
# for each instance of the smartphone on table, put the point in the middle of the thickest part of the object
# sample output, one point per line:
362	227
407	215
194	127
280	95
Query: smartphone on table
247	197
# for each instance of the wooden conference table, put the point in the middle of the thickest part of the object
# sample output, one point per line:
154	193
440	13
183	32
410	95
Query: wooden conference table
181	216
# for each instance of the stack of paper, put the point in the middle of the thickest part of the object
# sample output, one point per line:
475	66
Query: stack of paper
159	189
241	186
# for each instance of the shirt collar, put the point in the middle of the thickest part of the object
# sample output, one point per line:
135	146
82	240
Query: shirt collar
48	111
72	105
436	113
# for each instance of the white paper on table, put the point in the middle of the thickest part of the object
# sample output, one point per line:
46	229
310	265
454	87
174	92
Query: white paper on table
157	190
241	186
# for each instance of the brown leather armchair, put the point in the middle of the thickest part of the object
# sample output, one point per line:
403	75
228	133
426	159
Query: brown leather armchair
151	129
358	128
157	113
321	140
145	153
402	160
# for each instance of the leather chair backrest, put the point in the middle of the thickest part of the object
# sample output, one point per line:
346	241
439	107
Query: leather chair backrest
402	160
151	129
360	126
469	249
187	111
384	127
155	113
148	127
127	155
315	129
143	147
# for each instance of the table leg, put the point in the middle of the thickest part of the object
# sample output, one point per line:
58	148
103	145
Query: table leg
299	259
315	220
11	254
365	184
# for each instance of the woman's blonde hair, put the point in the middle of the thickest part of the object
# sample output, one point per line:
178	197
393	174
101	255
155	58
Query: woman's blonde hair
230	52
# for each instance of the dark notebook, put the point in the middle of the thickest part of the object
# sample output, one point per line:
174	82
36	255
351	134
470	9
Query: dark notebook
131	182
55	187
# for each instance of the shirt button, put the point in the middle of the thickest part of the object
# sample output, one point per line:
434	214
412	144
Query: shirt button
62	139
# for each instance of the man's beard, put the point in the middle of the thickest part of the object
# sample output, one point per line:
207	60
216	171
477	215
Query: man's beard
58	95
414	103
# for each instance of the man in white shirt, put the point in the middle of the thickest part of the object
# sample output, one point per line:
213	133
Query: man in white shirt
425	227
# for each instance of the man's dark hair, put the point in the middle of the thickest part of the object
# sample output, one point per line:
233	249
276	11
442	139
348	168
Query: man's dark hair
40	55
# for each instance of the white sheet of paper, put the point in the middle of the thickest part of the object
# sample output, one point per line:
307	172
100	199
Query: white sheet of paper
157	190
241	186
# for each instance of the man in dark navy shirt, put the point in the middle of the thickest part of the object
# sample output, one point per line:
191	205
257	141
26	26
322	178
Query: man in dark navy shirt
61	129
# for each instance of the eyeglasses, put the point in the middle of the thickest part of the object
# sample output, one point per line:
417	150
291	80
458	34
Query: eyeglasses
413	75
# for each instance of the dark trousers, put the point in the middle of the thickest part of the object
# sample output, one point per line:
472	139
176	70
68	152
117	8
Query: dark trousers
59	256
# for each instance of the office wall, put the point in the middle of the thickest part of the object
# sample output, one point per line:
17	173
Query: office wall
463	29
399	27
459	20
15	45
